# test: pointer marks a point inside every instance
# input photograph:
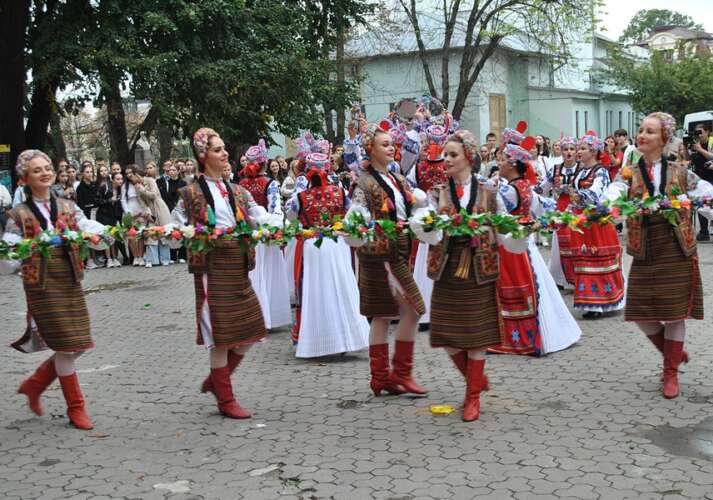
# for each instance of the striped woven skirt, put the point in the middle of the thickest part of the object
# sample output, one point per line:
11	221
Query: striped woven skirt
59	311
227	310
666	285
464	315
379	281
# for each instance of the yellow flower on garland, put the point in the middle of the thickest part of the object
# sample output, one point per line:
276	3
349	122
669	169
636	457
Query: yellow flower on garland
627	173
428	219
307	233
676	204
338	226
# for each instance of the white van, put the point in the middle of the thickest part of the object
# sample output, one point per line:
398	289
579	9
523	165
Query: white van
692	119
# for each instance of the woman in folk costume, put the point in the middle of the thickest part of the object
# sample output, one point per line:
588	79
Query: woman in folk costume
327	316
228	315
598	277
386	287
306	144
57	315
269	278
664	287
465	317
429	172
535	318
559	184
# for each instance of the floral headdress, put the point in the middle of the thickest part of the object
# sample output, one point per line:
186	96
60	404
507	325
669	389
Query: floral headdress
668	124
23	160
566	140
368	134
258	153
200	141
516	135
469	142
591	140
514	153
309	144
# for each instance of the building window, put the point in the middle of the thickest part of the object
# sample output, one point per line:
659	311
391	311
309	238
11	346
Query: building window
620	115
576	123
586	121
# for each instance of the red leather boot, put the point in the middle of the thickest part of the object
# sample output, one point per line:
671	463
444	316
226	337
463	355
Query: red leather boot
460	359
223	391
38	382
474	375
402	364
75	402
657	341
233	362
672	354
379	366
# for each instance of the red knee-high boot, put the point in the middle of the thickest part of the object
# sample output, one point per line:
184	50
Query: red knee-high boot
233	362
75	402
657	341
460	359
402	365
38	382
474	376
672	354
379	366
223	390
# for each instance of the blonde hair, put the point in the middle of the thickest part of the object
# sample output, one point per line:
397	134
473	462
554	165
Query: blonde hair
24	159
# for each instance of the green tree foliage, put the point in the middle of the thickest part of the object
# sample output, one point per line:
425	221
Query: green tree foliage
647	19
243	67
680	87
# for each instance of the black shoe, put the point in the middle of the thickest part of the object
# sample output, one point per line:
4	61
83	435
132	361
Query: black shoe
592	315
702	237
424	327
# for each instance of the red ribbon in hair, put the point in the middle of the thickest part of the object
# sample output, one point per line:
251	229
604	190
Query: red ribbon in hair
319	173
252	170
530	175
434	152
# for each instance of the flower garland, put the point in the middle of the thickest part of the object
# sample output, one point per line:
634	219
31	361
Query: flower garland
201	237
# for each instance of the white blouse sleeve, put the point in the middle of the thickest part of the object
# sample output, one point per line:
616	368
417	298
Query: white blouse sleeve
511	244
12	235
178	214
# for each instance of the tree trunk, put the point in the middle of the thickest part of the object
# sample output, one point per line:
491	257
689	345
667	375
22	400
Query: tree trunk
38	120
165	142
56	135
341	118
116	121
13	24
329	124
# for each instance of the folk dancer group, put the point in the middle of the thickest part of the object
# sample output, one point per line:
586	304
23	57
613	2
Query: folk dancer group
493	293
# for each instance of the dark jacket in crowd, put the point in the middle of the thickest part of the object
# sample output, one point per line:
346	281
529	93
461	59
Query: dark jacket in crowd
109	212
169	190
86	197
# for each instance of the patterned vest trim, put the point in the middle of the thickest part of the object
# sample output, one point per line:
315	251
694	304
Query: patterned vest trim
381	249
587	181
429	174
676	179
485	258
559	179
524	195
320	202
34	268
257	187
196	206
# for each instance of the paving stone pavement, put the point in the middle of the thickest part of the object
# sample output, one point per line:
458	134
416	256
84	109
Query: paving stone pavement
588	422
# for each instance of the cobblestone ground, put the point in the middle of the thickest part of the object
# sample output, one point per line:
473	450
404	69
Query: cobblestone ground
588	422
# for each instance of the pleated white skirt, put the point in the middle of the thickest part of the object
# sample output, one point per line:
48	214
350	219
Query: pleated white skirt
331	322
269	280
